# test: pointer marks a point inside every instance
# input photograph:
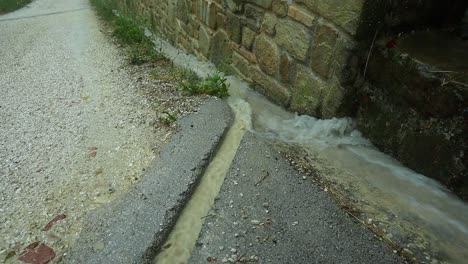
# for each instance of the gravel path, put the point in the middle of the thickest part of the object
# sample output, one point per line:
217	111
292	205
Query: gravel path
78	125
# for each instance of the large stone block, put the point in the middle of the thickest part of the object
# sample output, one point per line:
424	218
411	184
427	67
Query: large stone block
182	10
220	20
269	23
269	86
294	37
266	53
307	93
301	14
212	15
233	27
234	5
204	40
220	48
241	64
280	7
248	37
346	14
324	41
254	16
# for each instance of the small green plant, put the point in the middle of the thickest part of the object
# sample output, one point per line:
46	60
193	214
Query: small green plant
168	118
140	48
127	31
225	66
103	9
187	78
12	5
214	84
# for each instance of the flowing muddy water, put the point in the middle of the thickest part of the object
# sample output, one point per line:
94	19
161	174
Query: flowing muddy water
181	241
416	211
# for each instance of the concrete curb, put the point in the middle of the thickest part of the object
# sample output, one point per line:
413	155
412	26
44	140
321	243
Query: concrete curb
132	228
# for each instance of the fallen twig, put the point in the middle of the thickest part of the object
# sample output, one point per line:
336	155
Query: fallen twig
262	179
370	51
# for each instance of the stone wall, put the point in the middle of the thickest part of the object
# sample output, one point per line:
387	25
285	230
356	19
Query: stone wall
293	52
310	56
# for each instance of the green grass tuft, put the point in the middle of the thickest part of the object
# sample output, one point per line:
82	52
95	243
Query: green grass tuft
12	5
127	31
104	9
214	84
139	48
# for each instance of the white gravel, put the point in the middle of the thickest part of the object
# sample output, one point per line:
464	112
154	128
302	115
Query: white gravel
78	125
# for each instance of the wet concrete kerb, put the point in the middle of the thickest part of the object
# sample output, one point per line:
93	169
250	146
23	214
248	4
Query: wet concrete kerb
131	229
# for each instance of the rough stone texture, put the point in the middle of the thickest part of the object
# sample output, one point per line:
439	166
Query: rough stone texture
247	54
333	99
182	11
307	93
280	7
220	49
131	229
286	64
253	16
426	115
301	14
220	20
269	87
234	5
266	53
324	40
262	3
269	23
344	63
212	15
282	219
233	27
241	65
294	37
346	14
204	41
248	37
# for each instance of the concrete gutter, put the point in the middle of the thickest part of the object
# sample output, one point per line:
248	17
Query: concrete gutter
131	229
267	212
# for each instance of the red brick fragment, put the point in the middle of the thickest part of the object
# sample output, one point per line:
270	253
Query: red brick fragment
52	222
37	254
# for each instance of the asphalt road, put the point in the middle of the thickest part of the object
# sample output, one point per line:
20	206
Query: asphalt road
267	212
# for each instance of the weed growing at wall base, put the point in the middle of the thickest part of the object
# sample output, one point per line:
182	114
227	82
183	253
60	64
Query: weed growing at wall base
12	5
139	48
214	84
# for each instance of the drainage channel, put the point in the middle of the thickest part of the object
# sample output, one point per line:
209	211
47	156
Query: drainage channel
182	239
412	205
